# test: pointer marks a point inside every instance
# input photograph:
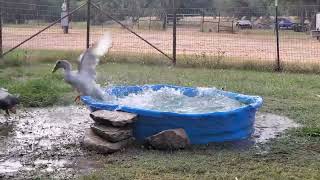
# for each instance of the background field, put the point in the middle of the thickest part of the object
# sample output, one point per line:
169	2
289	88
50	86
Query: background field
256	45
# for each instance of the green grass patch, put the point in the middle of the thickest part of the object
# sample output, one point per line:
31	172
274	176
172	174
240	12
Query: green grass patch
292	156
22	57
202	60
36	85
17	58
40	92
149	25
204	165
309	131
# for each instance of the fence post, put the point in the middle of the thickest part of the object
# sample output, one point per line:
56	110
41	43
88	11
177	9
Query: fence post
1	51
174	43
65	21
164	23
202	23
219	23
232	26
88	23
278	65
37	15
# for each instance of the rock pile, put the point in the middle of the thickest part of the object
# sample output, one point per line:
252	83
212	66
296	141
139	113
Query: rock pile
111	132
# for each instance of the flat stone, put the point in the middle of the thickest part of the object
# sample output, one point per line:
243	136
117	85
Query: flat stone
112	134
94	142
169	139
114	118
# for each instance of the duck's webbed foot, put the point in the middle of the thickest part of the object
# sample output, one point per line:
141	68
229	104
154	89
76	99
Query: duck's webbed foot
7	112
77	100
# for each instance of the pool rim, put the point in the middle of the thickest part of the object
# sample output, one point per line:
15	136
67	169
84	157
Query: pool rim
256	104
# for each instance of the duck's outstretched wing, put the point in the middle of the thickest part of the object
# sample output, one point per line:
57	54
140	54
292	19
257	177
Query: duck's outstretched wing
3	93
3	89
90	58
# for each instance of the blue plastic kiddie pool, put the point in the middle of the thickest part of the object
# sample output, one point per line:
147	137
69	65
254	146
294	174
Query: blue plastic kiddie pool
204	128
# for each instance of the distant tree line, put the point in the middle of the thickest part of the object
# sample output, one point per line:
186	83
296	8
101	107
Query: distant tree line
20	10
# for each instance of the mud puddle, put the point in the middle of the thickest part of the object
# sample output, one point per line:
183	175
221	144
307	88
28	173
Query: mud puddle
269	126
46	142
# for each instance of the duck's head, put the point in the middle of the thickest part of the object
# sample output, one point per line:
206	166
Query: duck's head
64	64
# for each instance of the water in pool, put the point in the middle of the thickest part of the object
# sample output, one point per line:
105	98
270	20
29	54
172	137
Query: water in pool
171	100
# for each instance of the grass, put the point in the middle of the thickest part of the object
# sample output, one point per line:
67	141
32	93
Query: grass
40	92
295	155
202	60
203	165
150	25
36	87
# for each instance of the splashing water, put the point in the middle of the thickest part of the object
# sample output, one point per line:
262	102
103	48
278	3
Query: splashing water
171	100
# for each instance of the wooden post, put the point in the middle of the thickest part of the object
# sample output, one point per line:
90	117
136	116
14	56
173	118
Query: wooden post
88	23
1	51
278	65
68	9
150	22
174	33
232	26
202	23
164	23
65	21
37	15
219	23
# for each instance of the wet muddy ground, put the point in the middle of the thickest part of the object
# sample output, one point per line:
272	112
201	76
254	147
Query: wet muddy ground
47	142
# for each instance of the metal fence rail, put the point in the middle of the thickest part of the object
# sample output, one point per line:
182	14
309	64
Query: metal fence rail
209	36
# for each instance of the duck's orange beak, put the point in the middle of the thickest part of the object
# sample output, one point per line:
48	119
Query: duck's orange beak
55	69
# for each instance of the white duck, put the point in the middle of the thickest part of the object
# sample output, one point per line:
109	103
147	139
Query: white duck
84	80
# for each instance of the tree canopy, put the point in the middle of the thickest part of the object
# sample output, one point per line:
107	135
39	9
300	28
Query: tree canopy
32	9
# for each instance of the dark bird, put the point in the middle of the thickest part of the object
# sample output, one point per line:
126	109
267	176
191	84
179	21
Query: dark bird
8	102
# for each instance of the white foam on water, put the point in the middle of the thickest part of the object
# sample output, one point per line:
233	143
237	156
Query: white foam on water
10	166
171	100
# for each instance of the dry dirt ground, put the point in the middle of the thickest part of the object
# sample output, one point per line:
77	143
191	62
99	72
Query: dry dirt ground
256	45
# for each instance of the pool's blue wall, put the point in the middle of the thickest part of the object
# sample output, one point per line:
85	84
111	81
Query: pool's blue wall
201	128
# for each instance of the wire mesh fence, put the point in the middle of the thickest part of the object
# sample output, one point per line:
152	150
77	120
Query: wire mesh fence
21	23
208	37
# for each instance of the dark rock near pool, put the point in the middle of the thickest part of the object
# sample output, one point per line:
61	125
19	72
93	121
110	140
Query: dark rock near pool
114	118
112	134
169	140
94	142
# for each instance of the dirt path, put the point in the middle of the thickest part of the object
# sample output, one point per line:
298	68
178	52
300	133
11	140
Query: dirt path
46	142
